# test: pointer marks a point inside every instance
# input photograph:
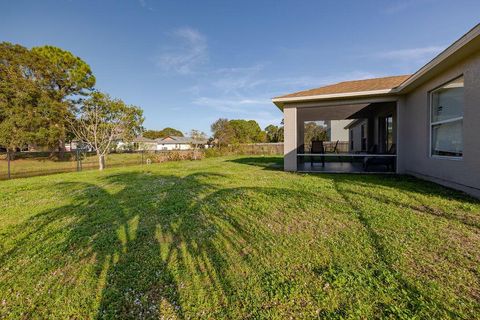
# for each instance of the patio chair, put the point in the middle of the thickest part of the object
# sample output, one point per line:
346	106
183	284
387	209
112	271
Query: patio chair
317	148
372	149
389	162
335	147
335	150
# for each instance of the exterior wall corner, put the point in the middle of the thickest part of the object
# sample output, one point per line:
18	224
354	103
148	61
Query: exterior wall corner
290	143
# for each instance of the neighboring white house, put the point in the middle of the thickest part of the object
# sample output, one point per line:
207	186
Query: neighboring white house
166	143
142	143
179	143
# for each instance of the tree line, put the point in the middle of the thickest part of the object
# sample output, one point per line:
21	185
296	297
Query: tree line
239	131
156	134
48	96
227	132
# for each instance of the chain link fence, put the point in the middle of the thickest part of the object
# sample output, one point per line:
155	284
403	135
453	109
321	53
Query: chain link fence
28	164
264	149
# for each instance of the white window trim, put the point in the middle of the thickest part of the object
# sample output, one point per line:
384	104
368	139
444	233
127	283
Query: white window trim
431	124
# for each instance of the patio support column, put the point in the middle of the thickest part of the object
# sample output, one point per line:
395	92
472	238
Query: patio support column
290	139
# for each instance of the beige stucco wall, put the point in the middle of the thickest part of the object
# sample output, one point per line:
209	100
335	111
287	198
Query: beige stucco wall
414	132
337	130
290	139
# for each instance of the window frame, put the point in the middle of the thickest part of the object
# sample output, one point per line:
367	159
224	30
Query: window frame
432	124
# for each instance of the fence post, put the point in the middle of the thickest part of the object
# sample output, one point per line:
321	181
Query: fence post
77	157
8	160
142	151
80	159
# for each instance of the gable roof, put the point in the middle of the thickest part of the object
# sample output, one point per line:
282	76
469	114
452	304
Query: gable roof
352	86
173	140
179	140
142	139
468	44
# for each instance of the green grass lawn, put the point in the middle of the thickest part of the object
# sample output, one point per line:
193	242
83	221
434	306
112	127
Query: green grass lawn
236	238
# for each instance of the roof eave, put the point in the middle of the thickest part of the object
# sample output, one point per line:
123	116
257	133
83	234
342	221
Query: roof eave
280	102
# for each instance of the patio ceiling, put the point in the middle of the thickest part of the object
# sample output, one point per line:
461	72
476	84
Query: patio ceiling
371	109
330	112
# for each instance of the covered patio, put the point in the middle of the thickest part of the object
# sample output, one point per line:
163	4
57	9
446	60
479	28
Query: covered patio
369	137
361	118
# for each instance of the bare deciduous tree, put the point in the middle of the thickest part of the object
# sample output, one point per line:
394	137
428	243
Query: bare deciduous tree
198	137
101	120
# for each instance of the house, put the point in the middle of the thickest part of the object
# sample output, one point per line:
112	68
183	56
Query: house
179	143
357	135
426	124
165	143
146	144
76	145
336	129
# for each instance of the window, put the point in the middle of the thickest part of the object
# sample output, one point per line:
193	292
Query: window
446	119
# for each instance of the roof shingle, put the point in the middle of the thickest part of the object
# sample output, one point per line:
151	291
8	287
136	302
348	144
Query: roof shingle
352	86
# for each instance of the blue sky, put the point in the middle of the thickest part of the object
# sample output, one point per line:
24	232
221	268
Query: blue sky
187	63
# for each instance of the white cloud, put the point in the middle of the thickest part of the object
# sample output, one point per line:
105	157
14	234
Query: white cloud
144	4
189	51
232	80
246	81
399	6
245	92
414	54
258	109
239	105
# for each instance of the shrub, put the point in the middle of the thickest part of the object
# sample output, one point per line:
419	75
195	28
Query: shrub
245	149
164	156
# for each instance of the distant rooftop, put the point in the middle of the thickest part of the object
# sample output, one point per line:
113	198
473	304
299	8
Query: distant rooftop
143	139
179	140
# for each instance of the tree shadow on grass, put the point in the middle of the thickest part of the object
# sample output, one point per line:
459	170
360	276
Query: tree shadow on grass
184	242
155	243
408	184
138	237
161	246
267	163
417	195
416	303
